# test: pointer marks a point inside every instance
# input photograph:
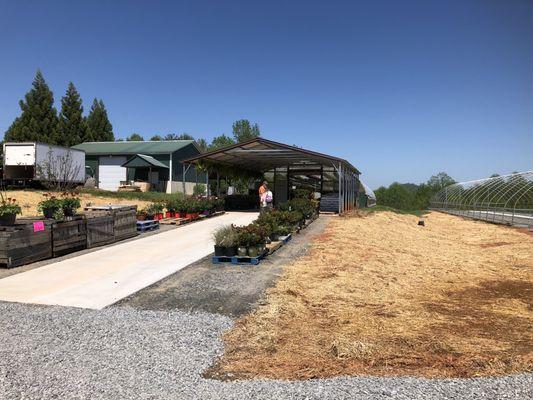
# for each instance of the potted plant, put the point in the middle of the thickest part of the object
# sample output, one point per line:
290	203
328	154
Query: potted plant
8	211
251	240
225	241
50	205
181	208
69	204
158	210
170	206
150	211
193	209
141	215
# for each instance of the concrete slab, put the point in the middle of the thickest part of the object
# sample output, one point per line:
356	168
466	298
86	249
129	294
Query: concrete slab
101	278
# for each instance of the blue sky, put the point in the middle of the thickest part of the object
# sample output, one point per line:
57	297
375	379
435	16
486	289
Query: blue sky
401	89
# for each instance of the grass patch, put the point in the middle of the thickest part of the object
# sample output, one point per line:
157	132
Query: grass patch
379	295
379	208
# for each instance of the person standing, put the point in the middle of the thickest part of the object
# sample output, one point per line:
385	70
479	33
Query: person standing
265	197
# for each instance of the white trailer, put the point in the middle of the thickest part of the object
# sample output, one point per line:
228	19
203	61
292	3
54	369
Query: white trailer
43	162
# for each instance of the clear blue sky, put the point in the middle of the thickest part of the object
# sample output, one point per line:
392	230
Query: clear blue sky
402	89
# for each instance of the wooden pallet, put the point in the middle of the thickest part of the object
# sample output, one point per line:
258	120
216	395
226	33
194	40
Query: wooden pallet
273	246
174	221
182	221
239	260
147	225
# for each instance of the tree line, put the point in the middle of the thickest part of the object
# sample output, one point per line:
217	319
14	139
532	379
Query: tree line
410	196
39	120
242	130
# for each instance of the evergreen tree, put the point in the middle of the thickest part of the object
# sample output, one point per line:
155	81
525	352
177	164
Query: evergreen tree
38	120
202	145
134	137
156	138
221	141
183	136
243	130
99	129
72	126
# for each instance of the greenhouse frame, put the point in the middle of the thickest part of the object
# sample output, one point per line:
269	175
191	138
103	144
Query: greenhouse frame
506	199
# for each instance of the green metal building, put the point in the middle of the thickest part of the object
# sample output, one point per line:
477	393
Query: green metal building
155	162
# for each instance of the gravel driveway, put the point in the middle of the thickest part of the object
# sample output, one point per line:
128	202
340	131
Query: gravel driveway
52	352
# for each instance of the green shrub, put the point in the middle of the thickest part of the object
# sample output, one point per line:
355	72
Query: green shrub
199	189
305	206
251	235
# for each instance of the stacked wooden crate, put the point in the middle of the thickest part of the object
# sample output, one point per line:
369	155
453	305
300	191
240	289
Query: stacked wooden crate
69	235
101	231
25	242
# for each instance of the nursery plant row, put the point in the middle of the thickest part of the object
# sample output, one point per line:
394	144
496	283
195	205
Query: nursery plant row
270	226
189	208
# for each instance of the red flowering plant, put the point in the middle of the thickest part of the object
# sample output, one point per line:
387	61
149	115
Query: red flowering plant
50	205
9	206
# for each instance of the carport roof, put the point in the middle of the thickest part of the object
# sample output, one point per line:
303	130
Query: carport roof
260	154
145	147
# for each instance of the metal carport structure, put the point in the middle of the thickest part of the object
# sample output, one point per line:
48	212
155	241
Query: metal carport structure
264	156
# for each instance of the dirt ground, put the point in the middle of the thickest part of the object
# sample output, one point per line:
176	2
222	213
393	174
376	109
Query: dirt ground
28	200
379	295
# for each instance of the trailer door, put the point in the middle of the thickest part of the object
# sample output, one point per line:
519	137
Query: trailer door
110	172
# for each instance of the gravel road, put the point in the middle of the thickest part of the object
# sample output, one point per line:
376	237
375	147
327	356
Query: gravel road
50	352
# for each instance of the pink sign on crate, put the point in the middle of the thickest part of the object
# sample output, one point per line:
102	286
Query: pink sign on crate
38	226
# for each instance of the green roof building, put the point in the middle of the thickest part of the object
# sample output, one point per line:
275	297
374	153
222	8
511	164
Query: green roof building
158	163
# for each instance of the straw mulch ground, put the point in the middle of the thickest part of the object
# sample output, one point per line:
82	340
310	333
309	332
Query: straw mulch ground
380	295
28	200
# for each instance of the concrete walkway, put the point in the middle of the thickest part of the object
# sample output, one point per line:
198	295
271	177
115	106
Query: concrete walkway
103	277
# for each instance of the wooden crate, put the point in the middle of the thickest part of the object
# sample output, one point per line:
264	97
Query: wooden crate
124	217
100	230
69	236
125	223
20	244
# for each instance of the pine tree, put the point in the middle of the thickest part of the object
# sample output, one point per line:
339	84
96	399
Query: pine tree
134	137
38	120
72	127
243	130
99	129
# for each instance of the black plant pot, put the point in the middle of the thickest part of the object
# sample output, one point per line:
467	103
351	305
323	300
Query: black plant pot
231	251
8	219
274	237
48	213
69	212
220	251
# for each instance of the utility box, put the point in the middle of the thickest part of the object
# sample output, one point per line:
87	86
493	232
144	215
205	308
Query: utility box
31	161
